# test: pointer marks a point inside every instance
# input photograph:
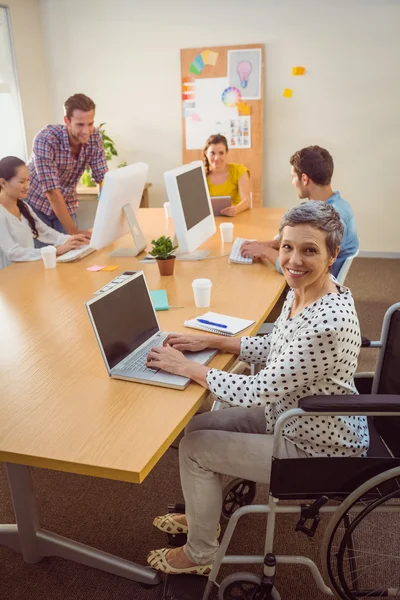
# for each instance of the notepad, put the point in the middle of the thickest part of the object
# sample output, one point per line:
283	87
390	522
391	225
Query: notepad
234	325
159	299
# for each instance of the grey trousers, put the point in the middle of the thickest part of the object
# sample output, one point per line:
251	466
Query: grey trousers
232	442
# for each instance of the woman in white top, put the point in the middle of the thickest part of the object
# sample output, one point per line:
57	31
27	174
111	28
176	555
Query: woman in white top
312	350
19	225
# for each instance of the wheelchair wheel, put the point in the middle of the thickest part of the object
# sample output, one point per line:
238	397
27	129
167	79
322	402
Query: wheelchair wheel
244	586
361	551
237	493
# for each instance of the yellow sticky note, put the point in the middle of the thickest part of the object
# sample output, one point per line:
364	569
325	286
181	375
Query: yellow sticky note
212	58
298	70
110	268
287	93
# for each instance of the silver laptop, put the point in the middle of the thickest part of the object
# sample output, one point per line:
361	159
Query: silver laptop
127	328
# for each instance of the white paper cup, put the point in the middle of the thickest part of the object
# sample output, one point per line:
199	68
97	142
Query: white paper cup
226	230
202	292
49	256
167	208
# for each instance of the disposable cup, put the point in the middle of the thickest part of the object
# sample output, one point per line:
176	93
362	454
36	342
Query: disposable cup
49	257
202	292
167	208
226	230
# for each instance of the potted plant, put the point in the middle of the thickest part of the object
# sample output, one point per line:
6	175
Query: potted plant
109	150
162	252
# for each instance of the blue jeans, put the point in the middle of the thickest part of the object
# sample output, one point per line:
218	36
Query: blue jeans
53	222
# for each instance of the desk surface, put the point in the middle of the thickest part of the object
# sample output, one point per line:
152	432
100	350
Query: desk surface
59	409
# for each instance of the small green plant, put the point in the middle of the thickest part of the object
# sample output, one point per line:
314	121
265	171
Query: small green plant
109	150
109	144
163	248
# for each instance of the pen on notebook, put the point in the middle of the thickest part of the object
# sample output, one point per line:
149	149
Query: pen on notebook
212	323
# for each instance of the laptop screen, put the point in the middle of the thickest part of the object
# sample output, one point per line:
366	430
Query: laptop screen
124	319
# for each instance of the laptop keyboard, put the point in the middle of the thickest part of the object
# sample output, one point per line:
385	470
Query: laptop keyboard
138	361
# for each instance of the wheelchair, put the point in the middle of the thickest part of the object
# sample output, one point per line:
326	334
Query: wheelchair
360	552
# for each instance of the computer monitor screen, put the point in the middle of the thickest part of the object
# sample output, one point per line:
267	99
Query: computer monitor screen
191	208
193	196
119	199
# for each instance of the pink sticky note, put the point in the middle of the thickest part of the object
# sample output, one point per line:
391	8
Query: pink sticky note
95	268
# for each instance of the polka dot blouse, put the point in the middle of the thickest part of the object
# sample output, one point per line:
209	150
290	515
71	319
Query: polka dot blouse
313	353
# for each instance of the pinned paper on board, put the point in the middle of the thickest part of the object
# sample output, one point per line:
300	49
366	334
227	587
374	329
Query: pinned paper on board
207	57
244	109
244	72
196	118
212	58
287	93
298	70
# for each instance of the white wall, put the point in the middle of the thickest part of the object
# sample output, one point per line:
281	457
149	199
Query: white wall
28	42
125	54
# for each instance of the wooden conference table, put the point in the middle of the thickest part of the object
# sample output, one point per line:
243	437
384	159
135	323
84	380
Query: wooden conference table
60	410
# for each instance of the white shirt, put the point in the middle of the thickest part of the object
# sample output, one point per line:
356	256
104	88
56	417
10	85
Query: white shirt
16	239
313	353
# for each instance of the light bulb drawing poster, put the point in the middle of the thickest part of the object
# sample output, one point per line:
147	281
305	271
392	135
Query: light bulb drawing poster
244	72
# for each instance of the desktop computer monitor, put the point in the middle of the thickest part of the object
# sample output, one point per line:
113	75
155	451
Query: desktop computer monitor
191	209
117	209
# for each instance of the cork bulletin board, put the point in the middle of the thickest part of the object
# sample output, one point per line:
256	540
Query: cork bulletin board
222	92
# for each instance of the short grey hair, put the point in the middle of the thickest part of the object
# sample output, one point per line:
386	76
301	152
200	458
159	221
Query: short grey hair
320	215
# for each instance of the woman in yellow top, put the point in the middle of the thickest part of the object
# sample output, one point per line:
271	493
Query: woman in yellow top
226	179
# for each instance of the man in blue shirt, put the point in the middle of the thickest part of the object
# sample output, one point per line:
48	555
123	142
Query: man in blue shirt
311	171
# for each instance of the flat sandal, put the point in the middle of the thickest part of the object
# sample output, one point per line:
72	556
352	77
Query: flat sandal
158	560
168	524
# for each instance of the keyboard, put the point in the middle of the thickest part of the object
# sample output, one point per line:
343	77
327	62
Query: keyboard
76	254
235	256
138	361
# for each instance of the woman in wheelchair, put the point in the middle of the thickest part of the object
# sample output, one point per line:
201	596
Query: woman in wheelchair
312	350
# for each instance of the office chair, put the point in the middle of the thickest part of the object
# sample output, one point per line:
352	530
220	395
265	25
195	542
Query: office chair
341	276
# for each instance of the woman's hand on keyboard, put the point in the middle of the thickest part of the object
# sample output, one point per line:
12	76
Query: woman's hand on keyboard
254	250
75	241
189	343
167	359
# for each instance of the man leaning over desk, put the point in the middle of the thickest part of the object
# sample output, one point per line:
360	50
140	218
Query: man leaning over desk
59	157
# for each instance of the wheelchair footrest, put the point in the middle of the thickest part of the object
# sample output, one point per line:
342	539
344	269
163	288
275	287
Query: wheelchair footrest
310	512
177	539
184	587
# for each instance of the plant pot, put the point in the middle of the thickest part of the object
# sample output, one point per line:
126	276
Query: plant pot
166	265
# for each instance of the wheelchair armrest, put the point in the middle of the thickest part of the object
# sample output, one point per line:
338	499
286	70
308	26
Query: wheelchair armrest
358	403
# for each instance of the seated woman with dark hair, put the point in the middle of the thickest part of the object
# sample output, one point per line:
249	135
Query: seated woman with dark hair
225	178
19	225
312	350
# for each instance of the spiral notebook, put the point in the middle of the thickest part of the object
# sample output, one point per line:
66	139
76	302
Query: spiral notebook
221	324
